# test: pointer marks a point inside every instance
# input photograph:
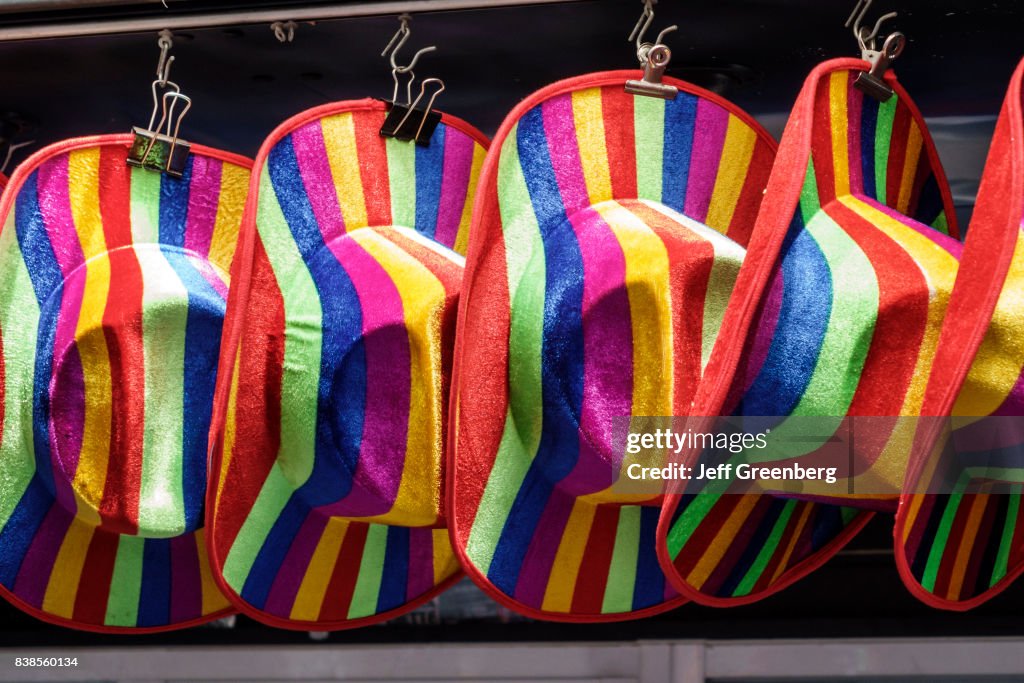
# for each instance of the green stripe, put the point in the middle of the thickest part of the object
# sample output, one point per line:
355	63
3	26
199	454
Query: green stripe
272	498
126	582
848	514
371	570
724	271
161	496
145	212
936	552
402	175
941	224
649	136
883	144
691	518
19	320
769	549
521	435
618	592
1009	526
810	203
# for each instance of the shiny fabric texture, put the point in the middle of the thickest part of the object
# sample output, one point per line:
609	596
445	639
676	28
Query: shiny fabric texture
956	551
327	509
610	233
114	289
848	323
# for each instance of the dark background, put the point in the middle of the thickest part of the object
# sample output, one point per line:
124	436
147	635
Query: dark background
756	52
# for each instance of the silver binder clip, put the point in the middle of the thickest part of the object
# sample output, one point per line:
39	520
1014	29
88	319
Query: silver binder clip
158	146
873	82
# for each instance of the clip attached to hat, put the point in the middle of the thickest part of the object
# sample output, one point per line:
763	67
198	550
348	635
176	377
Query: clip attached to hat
159	148
397	124
654	58
873	82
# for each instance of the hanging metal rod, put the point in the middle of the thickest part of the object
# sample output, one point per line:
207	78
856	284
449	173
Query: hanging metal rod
199	20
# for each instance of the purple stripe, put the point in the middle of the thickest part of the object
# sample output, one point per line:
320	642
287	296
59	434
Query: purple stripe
854	106
765	326
709	138
950	244
560	131
458	163
535	570
607	354
388	360
211	275
34	573
296	563
203	199
68	419
311	155
186	581
421	561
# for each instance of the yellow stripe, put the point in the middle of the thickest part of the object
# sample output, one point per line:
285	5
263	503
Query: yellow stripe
725	537
310	598
91	476
67	569
963	552
462	239
913	156
213	599
1000	358
234	186
801	523
229	423
343	156
562	582
445	562
589	120
838	84
423	297
737	151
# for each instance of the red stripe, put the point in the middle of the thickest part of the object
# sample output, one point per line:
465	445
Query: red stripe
742	225
373	166
921	175
122	328
620	140
897	154
258	404
700	541
980	542
342	585
766	578
739	545
952	547
1017	544
822	153
588	595
919	524
95	582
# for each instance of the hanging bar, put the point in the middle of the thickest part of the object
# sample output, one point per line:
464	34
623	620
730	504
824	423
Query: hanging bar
199	20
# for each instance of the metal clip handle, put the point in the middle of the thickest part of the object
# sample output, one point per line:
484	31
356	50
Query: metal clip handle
873	82
658	57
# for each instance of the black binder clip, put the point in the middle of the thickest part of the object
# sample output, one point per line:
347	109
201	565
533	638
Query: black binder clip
401	123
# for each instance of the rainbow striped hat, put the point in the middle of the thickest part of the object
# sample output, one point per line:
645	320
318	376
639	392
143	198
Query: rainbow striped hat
959	549
836	312
114	289
608	233
330	417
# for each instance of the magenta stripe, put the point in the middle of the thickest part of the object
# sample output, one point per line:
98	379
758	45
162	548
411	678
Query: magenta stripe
203	198
34	573
607	354
950	244
768	319
560	129
289	577
421	559
854	106
211	275
55	206
311	155
711	124
388	360
458	164
186	582
535	570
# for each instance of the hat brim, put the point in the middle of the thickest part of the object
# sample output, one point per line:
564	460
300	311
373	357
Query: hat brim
740	548
56	565
279	558
958	551
525	540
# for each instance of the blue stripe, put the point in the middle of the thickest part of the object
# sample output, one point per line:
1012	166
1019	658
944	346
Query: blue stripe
803	320
174	193
929	204
650	579
271	555
828	522
868	126
561	354
21	528
155	592
394	581
47	282
202	347
754	544
680	119
429	167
